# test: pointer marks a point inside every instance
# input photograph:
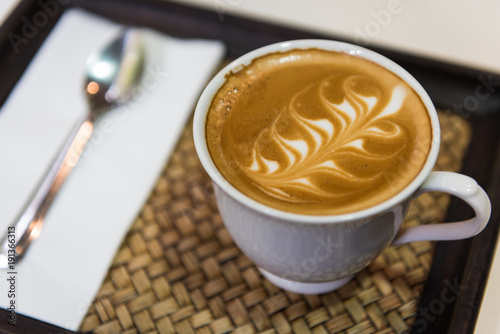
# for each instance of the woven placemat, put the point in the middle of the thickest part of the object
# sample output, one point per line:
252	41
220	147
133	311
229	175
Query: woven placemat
178	271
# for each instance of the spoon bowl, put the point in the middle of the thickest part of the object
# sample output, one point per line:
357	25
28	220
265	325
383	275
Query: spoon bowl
113	73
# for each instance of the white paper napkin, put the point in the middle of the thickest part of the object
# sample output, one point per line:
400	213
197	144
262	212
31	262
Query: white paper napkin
64	268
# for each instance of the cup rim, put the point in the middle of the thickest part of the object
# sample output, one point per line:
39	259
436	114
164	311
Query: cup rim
218	80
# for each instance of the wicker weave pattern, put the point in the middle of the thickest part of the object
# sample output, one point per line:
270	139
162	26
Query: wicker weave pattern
178	270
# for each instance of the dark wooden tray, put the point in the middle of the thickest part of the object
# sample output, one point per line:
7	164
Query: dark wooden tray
465	263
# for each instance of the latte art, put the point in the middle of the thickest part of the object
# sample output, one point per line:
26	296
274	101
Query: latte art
323	144
317	132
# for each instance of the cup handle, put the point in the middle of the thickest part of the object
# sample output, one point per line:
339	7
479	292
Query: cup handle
465	188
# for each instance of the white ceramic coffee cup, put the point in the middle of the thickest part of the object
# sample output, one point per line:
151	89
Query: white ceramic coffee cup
316	254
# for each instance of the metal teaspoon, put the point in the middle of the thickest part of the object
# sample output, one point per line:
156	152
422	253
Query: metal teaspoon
111	75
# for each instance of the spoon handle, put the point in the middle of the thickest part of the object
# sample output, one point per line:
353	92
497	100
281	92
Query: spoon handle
28	226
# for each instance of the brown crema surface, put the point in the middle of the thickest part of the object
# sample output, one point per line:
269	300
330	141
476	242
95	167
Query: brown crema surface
317	132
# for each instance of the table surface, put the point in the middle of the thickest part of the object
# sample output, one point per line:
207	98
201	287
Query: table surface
450	86
447	30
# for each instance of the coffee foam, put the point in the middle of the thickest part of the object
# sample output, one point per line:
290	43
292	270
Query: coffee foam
317	132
